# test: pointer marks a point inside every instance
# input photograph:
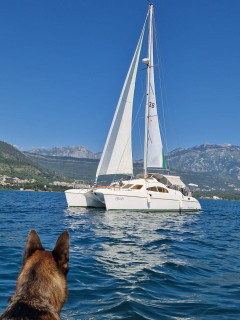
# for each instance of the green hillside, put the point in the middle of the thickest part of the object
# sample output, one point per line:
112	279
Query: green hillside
14	163
76	168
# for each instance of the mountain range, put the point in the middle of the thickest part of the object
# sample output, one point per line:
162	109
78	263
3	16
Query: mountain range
212	167
85	169
71	151
205	158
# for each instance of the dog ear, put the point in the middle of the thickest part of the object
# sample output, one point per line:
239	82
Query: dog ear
33	244
61	251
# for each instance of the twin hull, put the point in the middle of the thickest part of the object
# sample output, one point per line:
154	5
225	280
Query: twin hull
83	198
131	200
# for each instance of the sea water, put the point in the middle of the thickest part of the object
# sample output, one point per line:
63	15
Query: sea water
128	265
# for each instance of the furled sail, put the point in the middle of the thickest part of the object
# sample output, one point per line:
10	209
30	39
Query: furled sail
155	155
117	153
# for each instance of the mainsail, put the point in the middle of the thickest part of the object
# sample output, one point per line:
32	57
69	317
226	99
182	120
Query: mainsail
117	153
155	155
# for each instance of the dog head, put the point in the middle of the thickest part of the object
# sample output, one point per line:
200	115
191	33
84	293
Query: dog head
43	274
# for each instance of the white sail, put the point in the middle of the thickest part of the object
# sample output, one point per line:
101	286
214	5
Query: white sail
117	153
155	156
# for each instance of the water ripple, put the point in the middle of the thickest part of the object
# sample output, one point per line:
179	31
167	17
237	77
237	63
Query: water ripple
128	265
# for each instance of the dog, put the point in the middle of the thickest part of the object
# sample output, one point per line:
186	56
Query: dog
41	289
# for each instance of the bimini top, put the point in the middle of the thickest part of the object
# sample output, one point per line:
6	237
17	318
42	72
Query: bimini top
172	180
166	179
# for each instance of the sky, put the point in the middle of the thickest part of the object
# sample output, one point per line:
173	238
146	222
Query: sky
63	65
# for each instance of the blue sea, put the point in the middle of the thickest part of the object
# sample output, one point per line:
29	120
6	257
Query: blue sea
128	265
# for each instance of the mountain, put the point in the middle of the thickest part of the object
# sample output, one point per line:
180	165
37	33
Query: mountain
71	151
212	167
14	163
207	158
85	169
82	169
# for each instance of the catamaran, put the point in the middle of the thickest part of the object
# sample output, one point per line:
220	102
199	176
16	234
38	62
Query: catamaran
149	191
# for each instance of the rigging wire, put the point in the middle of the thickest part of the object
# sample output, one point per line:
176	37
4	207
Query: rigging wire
162	84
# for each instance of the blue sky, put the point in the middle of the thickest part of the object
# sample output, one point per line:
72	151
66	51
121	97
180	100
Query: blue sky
63	64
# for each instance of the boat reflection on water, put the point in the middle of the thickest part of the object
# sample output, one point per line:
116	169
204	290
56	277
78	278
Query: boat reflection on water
128	265
128	243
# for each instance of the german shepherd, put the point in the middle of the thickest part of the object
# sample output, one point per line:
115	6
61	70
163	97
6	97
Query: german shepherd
41	288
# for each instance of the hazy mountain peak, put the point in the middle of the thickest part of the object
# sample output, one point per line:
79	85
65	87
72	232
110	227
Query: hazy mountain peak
69	151
207	157
226	145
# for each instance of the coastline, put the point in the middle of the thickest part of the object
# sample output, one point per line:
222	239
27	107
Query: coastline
60	189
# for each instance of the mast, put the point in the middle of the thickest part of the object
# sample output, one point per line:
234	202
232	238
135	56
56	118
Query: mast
148	89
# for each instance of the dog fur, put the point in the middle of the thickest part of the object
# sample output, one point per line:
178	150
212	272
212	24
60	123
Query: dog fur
41	288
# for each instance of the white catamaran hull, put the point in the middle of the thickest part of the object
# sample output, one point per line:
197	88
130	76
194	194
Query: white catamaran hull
135	195
82	198
147	202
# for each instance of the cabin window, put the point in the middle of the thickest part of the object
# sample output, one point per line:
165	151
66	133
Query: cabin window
127	186
153	189
137	187
160	189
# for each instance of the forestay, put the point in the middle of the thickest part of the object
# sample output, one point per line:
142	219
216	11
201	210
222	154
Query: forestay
117	153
